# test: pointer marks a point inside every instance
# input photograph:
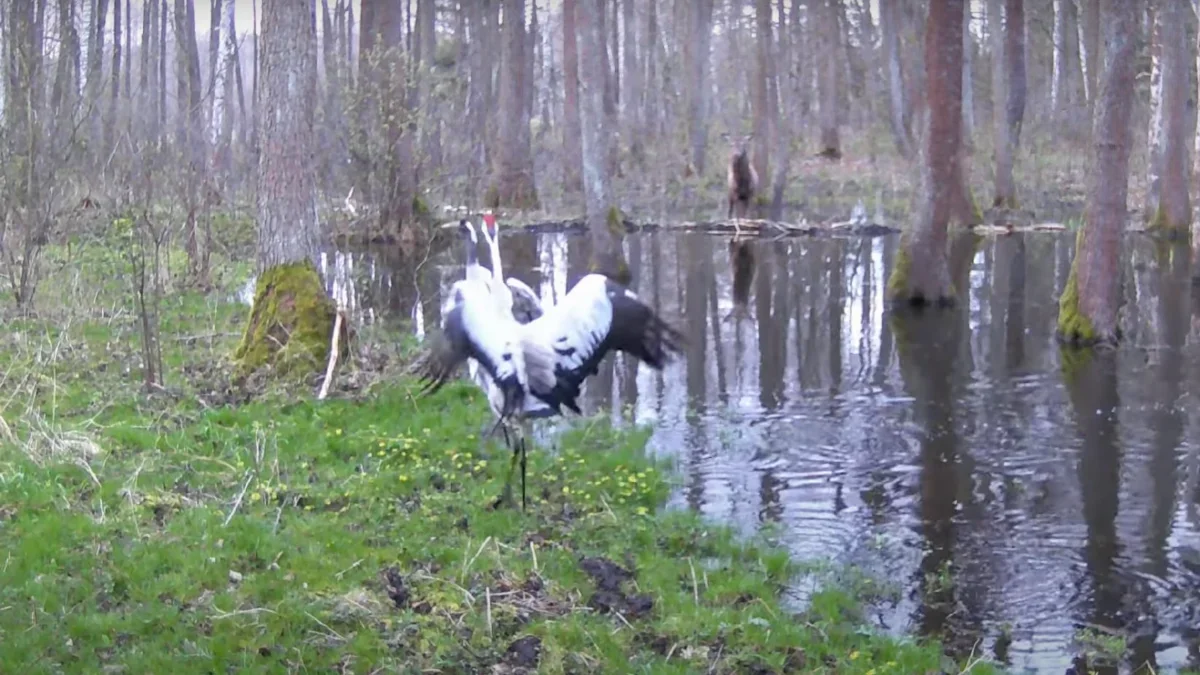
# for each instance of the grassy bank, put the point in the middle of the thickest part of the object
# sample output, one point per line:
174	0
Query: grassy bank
205	529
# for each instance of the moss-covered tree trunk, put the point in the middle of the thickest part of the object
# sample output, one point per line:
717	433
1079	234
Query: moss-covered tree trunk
292	316
921	275
1090	302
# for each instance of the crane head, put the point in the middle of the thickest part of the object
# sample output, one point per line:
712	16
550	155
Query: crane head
464	227
489	223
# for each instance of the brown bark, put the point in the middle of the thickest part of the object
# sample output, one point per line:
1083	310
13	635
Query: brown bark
1089	305
512	180
1167	202
762	80
921	274
1014	54
1005	189
287	225
572	147
1065	61
696	49
828	81
605	235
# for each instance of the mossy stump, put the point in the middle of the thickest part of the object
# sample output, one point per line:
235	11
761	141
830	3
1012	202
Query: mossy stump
290	323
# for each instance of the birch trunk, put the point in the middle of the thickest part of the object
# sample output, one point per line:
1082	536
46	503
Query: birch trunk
1169	206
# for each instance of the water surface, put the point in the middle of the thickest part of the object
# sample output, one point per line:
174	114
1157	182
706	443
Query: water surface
999	489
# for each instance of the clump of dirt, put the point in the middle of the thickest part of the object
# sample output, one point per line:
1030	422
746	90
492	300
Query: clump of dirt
396	588
524	652
610	597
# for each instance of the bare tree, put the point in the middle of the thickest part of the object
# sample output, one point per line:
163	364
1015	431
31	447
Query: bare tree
696	53
632	98
512	182
1014	54
1089	48
573	180
1065	61
1167	203
291	314
828	81
898	111
603	217
1090	302
921	274
762	86
1005	189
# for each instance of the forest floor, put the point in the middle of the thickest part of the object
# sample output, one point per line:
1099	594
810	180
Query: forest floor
210	528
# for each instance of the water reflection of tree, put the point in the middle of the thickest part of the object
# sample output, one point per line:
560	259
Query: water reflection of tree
926	349
696	291
1091	383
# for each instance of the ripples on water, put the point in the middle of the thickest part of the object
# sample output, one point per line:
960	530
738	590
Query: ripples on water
1050	496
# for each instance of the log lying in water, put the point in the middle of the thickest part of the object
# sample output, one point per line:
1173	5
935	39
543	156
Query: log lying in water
744	226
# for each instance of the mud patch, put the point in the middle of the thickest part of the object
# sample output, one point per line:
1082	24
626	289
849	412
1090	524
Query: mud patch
524	652
610	597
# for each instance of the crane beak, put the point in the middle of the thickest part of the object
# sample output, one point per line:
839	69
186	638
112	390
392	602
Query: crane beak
447	226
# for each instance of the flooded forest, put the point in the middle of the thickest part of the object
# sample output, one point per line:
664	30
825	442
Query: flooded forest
933	266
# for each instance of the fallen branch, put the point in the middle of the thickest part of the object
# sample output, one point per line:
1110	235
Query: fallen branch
333	354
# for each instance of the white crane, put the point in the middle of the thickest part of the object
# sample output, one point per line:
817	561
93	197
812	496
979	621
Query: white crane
534	369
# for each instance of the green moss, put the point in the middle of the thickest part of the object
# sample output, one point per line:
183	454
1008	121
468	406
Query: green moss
1073	326
420	208
898	282
1160	223
290	322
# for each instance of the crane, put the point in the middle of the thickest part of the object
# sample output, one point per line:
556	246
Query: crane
517	296
537	368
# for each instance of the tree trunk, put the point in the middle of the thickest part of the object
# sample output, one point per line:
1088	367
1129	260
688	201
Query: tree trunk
95	69
1089	48
66	88
921	274
604	219
1062	97
223	87
1167	202
651	113
968	84
1090	302
762	82
115	75
512	182
291	317
572	142
1014	53
632	104
889	21
1005	190
696	49
829	85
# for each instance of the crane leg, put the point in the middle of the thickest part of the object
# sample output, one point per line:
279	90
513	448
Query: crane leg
523	448
506	496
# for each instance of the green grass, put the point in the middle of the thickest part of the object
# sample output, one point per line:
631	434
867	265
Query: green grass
194	531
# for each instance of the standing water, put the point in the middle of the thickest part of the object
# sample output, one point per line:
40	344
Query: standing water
1018	499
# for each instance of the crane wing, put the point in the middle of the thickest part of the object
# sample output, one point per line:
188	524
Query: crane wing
526	304
472	329
596	317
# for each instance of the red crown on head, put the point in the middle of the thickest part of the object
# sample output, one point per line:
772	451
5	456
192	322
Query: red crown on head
489	219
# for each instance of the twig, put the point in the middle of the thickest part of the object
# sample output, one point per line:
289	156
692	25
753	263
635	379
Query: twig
695	586
488	596
237	503
333	354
